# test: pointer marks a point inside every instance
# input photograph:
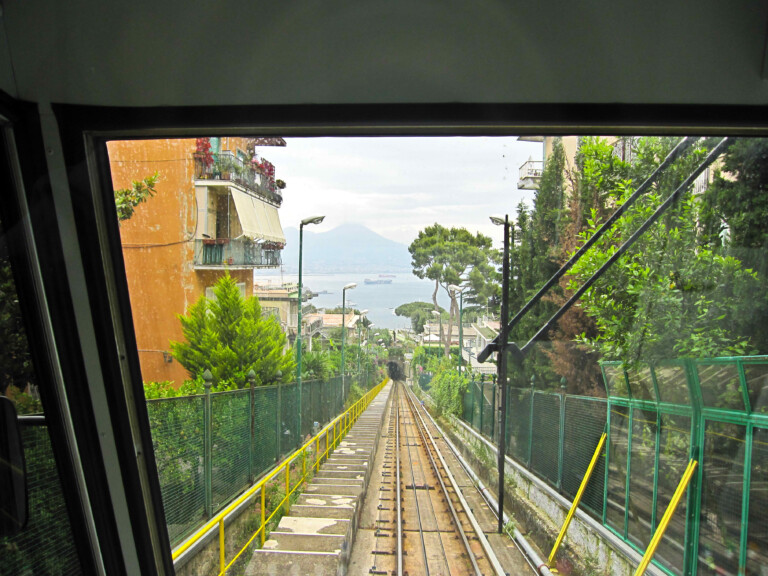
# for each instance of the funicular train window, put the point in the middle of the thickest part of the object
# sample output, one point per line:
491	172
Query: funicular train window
667	347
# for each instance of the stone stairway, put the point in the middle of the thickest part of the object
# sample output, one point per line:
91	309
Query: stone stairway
316	538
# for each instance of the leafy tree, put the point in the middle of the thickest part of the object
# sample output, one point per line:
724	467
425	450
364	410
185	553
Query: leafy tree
454	256
229	336
127	199
447	388
667	296
419	312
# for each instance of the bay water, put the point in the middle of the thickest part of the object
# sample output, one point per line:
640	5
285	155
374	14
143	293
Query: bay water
379	299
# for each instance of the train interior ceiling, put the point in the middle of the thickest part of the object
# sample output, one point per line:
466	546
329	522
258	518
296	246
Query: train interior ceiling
76	75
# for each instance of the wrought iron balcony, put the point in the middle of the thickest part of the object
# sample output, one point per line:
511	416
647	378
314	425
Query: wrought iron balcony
231	253
227	166
530	174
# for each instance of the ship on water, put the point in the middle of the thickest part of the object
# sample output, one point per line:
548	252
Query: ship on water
379	280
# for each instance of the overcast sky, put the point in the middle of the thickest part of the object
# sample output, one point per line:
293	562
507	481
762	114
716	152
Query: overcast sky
398	186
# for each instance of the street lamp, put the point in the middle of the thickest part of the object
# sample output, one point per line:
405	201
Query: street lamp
501	361
362	315
311	220
453	288
344	326
440	336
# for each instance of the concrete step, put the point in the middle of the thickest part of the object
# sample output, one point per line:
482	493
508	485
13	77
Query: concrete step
340	474
319	481
304	542
287	563
334	489
338	467
309	511
326	500
307	525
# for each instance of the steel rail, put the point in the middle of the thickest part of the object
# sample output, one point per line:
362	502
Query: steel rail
439	476
416	499
531	558
398	501
491	555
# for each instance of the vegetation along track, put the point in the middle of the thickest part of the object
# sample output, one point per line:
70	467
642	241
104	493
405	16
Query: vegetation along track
425	527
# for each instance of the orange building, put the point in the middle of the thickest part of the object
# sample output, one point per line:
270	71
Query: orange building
215	211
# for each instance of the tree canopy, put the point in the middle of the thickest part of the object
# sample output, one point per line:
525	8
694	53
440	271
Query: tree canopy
229	336
454	256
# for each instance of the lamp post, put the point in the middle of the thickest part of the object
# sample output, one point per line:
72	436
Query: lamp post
362	315
310	220
344	326
501	361
460	290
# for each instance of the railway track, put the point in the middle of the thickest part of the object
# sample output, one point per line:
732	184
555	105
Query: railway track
423	524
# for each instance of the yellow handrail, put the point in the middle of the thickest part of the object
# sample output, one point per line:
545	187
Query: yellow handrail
577	500
343	421
662	527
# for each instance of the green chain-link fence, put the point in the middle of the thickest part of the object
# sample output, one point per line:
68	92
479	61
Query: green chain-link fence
249	430
658	418
46	546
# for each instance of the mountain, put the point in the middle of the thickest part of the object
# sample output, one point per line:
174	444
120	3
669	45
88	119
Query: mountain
346	248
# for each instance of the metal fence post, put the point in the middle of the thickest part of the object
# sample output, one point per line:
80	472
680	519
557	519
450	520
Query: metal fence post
561	439
493	420
207	448
530	421
482	404
252	414
279	422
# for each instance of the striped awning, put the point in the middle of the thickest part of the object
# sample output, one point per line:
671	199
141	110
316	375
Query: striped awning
258	219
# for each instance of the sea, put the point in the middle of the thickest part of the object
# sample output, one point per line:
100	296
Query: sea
379	299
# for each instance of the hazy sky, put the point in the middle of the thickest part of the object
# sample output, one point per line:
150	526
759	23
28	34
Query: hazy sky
398	186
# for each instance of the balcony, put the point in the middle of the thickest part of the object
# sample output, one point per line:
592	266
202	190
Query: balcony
226	166
221	253
530	174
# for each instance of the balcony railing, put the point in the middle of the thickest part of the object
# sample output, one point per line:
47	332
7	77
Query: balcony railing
226	252
531	169
227	166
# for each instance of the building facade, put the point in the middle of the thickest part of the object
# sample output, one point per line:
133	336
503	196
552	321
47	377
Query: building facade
215	212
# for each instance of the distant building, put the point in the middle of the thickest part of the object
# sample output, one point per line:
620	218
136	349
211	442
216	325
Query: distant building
215	211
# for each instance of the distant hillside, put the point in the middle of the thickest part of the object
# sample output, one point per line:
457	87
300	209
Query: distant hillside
346	248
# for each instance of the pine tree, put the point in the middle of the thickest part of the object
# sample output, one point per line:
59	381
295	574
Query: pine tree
229	336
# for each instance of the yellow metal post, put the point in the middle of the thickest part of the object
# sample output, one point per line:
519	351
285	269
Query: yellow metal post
576	500
263	514
670	511
222	549
287	487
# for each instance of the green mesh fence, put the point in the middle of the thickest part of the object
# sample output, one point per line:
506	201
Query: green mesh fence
519	424
712	410
641	473
177	427
618	450
288	419
721	498
757	534
545	435
674	432
307	409
249	430
230	442
584	424
266	445
46	546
